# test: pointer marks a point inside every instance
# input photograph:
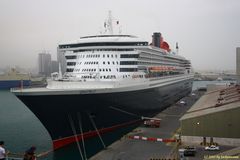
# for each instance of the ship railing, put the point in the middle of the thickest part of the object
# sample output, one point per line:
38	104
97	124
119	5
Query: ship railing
26	87
13	158
19	156
165	77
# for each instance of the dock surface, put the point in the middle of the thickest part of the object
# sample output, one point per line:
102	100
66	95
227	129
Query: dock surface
133	149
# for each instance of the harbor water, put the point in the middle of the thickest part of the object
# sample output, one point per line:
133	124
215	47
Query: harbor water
20	129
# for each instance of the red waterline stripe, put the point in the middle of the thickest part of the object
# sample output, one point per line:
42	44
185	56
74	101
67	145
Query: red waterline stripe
59	143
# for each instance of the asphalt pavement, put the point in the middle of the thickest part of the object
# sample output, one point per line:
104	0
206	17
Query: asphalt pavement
133	149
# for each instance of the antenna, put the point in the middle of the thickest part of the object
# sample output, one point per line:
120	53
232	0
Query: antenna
59	71
109	26
120	30
177	48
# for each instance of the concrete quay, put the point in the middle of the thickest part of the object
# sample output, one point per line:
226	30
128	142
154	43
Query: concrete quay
133	149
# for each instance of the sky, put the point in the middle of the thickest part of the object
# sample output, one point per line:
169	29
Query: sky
207	31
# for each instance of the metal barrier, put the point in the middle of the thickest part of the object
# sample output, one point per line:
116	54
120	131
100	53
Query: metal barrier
13	158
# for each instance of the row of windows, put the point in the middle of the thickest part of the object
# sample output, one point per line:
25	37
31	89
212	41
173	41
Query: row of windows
109	69
90	62
128	69
156	54
101	77
126	76
157	58
104	69
109	62
92	50
71	57
133	76
108	77
71	63
129	55
93	56
69	69
107	55
128	62
94	70
79	63
103	44
161	74
141	62
87	70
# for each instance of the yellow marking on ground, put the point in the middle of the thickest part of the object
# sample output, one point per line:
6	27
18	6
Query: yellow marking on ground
173	136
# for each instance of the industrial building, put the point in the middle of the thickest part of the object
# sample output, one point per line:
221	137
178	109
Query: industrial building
215	116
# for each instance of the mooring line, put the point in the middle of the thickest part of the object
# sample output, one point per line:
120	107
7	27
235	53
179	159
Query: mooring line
80	126
120	110
94	125
75	134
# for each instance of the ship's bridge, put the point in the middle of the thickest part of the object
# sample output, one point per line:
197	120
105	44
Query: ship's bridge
104	40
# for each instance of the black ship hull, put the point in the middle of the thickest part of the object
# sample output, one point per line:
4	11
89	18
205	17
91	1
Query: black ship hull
104	111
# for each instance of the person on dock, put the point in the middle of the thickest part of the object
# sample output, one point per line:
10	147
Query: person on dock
30	154
3	152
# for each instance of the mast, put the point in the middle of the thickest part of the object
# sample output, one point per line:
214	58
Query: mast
108	24
59	71
111	25
177	48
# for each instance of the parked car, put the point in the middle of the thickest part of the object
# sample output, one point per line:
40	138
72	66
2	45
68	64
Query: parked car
212	148
190	151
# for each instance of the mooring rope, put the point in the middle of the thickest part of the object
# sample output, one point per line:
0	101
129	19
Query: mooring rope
120	110
94	125
75	134
80	126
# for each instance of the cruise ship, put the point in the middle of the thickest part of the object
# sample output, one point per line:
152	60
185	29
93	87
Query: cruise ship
111	81
14	79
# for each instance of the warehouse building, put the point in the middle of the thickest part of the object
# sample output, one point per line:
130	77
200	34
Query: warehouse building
215	117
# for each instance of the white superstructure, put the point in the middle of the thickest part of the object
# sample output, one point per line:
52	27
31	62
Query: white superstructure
113	61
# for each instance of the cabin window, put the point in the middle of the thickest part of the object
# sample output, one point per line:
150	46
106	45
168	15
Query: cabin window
129	55
128	63
69	69
128	69
71	57
71	63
